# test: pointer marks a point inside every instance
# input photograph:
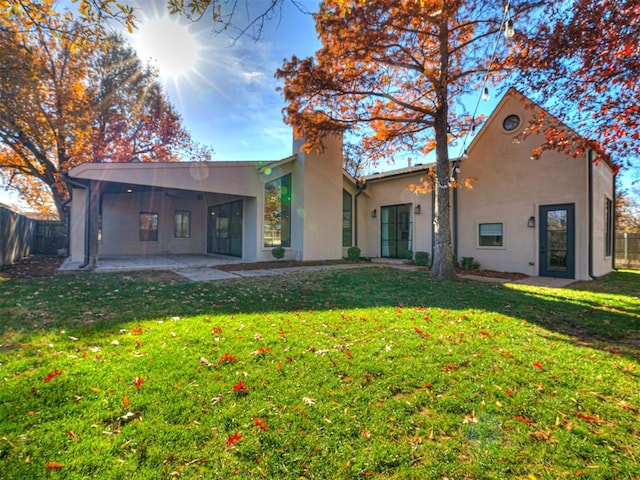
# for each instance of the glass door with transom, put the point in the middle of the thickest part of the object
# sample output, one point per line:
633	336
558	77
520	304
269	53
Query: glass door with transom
396	229
224	229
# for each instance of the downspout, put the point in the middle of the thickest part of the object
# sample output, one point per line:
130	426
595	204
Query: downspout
361	186
87	196
613	226
455	217
590	193
433	219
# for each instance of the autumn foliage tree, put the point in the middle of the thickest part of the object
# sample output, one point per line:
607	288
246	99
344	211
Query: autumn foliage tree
396	73
583	62
65	100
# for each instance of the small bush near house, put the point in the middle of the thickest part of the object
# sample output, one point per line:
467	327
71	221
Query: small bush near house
278	253
469	263
408	254
422	259
353	254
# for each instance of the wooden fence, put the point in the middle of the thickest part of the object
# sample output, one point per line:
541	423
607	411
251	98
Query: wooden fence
628	250
16	236
50	236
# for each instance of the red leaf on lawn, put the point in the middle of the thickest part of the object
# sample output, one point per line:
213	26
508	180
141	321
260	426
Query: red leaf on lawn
138	382
54	466
421	333
538	365
587	418
508	392
71	435
137	331
227	357
523	419
51	376
260	423
216	330
126	402
240	387
485	333
232	440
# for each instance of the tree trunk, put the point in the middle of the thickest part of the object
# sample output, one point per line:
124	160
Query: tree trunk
442	267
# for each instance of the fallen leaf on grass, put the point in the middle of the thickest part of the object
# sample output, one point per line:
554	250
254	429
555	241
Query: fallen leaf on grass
240	387
232	440
51	376
126	402
540	435
138	382
587	418
54	466
71	435
471	418
260	423
538	365
205	362
308	400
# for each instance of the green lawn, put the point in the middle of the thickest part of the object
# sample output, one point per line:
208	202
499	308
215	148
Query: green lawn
360	373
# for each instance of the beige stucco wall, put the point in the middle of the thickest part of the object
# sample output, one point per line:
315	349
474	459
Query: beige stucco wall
121	223
511	187
234	178
317	224
395	191
77	220
602	187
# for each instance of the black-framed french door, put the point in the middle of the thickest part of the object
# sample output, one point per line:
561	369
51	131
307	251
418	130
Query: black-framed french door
224	229
557	241
396	231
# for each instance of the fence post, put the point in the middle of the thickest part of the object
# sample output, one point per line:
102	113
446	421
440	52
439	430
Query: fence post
626	249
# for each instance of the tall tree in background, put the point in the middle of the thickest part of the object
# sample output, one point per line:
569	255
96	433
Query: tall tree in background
583	62
65	101
395	73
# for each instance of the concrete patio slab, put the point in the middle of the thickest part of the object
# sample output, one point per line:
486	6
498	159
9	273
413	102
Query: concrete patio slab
128	263
204	274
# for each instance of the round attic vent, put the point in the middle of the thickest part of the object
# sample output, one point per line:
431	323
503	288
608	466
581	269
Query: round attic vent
511	122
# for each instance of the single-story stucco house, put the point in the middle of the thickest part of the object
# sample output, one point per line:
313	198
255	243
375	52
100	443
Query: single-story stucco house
548	217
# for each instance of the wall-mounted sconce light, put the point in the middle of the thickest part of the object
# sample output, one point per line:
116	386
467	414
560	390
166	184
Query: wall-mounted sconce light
374	213
417	210
531	222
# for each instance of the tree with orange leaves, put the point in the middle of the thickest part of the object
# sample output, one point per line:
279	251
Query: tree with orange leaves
394	73
65	100
583	62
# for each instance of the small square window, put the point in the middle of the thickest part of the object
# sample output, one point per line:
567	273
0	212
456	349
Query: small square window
491	235
148	227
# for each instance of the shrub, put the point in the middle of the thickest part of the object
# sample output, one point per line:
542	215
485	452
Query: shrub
468	263
353	253
422	259
278	252
408	254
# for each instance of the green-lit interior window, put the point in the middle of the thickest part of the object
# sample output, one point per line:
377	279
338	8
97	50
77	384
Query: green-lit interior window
347	218
277	212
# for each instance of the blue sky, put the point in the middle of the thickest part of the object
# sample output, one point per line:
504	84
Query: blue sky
230	100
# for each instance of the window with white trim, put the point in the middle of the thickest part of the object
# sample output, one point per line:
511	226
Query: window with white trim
491	235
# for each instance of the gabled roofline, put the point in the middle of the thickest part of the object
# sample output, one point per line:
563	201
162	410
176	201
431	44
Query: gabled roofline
513	91
277	163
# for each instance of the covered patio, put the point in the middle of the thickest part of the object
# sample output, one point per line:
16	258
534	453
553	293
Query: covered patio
129	263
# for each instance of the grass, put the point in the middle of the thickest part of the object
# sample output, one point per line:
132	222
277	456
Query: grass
360	373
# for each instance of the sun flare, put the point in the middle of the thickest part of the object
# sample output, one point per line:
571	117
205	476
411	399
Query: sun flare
167	44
